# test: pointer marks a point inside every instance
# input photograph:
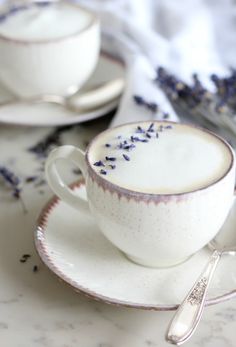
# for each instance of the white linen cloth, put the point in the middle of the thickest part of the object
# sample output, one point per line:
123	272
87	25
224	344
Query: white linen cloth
186	37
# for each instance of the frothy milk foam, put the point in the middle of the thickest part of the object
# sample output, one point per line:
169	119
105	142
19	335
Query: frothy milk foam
43	22
161	158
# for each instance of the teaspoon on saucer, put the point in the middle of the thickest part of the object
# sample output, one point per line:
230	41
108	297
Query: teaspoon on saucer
86	100
189	313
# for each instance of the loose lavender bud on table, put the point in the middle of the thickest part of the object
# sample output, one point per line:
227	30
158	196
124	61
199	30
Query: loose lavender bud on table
148	135
30	179
126	157
152	106
168	127
107	145
112	166
24	258
138	99
16	193
103	172
99	163
9	176
35	268
11	180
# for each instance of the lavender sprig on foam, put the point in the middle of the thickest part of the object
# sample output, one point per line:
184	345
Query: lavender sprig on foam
110	158
126	157
144	136
99	163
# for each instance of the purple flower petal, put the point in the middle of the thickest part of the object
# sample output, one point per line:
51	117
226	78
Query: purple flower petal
99	163
110	158
126	157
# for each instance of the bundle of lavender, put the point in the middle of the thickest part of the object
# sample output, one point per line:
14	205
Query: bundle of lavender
219	108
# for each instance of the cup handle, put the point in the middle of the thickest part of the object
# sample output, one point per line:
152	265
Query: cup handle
60	188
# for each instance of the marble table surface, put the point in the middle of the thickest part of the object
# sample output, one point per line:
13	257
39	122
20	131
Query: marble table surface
36	310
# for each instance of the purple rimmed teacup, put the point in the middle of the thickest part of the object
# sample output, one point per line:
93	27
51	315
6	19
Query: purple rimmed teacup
152	229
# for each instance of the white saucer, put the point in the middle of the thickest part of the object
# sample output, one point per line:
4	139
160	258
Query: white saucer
108	69
71	245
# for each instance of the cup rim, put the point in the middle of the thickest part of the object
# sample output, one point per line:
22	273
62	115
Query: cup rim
113	187
94	20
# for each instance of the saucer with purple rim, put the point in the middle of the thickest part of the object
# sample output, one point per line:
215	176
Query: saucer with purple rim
72	247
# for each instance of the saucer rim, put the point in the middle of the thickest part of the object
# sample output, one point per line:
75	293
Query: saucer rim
39	243
77	118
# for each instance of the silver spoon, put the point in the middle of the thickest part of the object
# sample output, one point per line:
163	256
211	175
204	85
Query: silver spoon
86	100
189	313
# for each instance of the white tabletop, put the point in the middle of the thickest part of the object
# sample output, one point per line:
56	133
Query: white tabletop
35	308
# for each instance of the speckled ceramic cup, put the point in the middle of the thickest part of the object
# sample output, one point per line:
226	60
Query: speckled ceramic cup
155	230
59	65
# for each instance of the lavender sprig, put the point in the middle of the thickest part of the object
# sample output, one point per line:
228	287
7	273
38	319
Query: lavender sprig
149	105
217	108
13	182
42	148
147	133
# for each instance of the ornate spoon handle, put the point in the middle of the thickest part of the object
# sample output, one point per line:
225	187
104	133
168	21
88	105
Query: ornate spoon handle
189	313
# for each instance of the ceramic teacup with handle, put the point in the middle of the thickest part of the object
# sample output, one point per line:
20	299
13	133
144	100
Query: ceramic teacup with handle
47	47
158	191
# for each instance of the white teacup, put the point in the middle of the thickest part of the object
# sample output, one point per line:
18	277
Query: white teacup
151	228
48	64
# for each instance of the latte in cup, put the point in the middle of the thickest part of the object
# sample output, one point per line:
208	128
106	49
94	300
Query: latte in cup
158	191
160	159
47	47
43	21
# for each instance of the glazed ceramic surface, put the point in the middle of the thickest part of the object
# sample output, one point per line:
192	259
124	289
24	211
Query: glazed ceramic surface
107	69
151	229
53	66
71	245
